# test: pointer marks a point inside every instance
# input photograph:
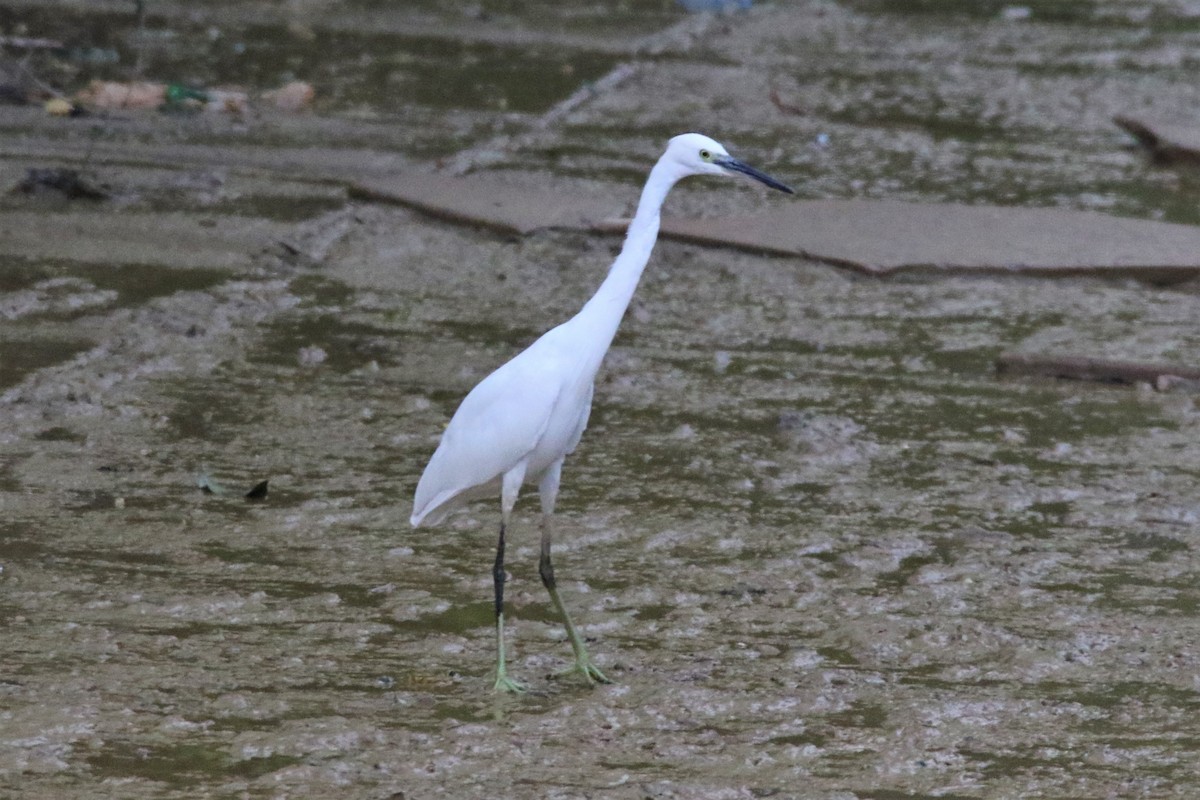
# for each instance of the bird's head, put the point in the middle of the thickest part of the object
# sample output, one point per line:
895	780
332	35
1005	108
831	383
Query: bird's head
697	154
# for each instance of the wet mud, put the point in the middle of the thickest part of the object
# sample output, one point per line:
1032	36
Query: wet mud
822	547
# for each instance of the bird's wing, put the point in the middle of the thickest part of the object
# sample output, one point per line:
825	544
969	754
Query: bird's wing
498	423
581	425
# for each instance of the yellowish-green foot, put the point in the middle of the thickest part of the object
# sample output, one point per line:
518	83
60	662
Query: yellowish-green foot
503	682
508	685
583	662
590	672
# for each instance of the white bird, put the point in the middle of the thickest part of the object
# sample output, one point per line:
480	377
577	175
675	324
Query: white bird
519	423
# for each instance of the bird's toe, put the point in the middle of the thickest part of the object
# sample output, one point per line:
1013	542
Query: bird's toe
507	685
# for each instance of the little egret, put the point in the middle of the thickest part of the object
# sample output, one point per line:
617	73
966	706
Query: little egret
519	423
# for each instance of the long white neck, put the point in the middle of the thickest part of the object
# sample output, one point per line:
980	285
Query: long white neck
607	306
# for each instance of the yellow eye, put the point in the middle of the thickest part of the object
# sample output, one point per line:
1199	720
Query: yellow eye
705	155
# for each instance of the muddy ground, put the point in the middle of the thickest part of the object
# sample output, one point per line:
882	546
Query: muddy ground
824	550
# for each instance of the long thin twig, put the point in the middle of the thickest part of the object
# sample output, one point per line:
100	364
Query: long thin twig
1086	368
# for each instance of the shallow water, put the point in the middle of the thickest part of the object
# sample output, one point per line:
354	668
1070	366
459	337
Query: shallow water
823	549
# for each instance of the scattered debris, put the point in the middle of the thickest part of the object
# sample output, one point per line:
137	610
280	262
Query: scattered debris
62	107
311	245
117	95
179	97
58	180
227	101
1163	377
292	97
1166	144
209	486
135	95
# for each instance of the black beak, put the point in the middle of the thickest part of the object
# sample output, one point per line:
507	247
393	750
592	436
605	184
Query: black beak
733	165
